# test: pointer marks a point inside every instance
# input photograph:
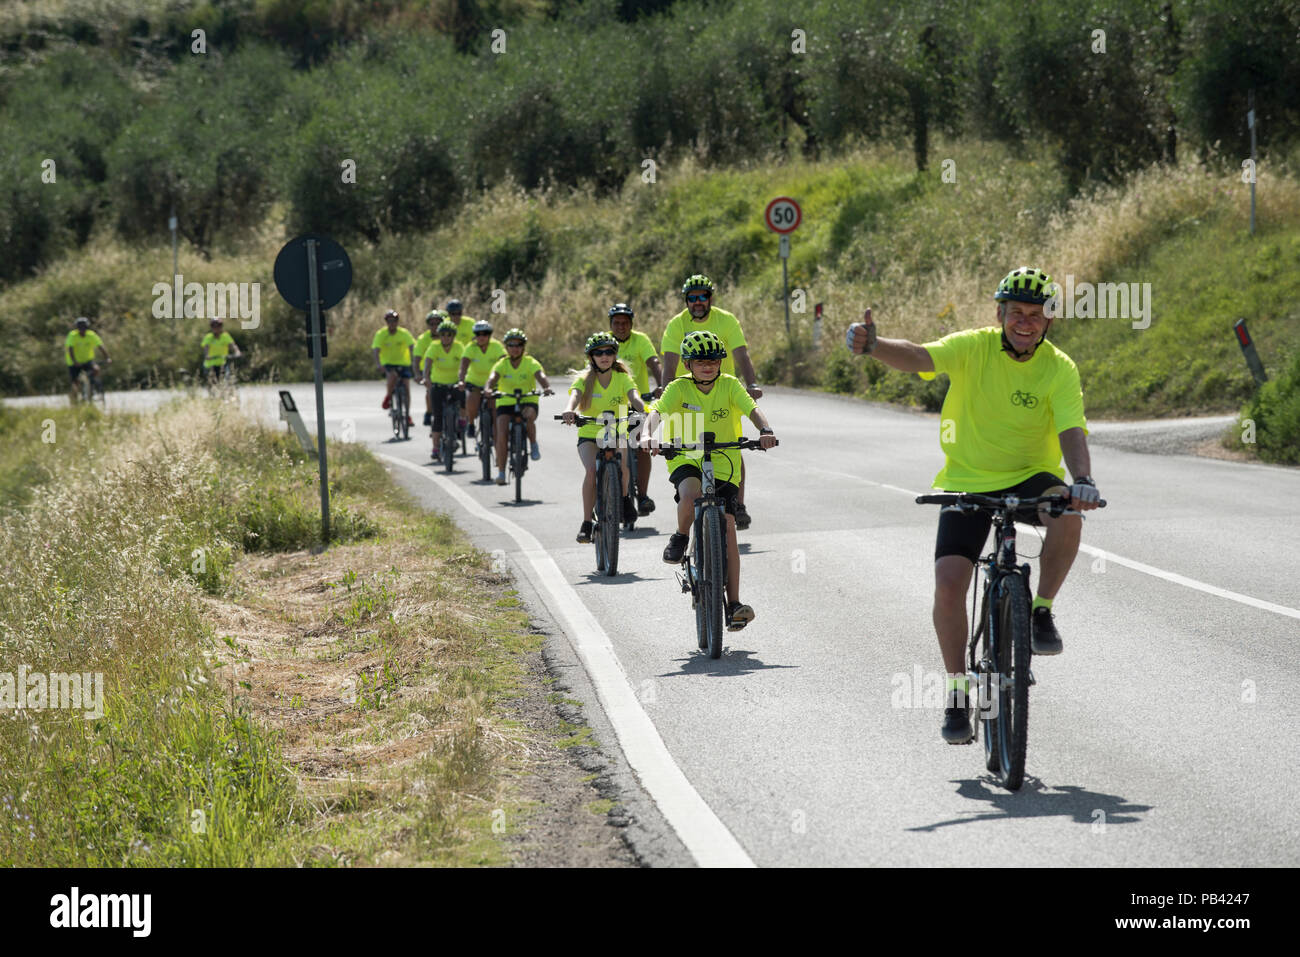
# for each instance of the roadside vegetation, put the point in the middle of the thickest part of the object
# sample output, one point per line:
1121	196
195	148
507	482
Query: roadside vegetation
263	704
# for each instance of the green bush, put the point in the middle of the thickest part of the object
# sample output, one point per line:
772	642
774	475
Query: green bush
1275	410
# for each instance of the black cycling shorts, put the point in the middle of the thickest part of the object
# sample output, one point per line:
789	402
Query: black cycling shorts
724	490
441	393
964	533
402	371
74	371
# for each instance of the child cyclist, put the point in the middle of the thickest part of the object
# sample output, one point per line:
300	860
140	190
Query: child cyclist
516	371
475	366
707	400
441	369
605	388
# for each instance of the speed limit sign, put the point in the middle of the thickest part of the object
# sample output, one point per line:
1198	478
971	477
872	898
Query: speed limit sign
783	215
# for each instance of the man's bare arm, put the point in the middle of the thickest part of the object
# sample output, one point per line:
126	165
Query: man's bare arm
899	353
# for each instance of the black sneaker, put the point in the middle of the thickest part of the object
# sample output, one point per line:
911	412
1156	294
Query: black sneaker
738	616
645	506
742	517
956	720
675	548
428	418
1045	639
469	430
629	507
584	534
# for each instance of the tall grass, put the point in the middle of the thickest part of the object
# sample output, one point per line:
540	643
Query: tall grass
102	564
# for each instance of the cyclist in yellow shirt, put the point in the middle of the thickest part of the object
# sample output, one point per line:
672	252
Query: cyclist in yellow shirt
1014	406
637	352
516	371
79	350
441	363
605	388
218	348
700	313
464	324
707	400
392	346
475	366
431	320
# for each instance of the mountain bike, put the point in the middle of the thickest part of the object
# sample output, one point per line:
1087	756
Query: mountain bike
484	434
609	510
220	380
450	416
1000	644
398	413
517	450
90	385
704	566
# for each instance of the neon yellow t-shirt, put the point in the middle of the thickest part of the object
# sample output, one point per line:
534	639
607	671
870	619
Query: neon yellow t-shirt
395	349
218	348
481	361
443	364
726	325
523	378
83	347
1001	419
611	398
635	353
688	413
465	331
422	343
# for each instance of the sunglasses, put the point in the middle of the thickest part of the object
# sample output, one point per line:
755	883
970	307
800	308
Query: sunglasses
604	352
703	297
514	345
480	335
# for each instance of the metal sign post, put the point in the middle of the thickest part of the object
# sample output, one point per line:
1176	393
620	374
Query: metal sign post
1248	350
1254	167
314	282
783	216
817	325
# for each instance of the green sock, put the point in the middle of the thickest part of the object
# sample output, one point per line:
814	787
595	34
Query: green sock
953	683
1041	602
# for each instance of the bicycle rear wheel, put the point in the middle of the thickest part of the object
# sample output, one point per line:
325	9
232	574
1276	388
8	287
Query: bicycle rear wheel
403	413
697	597
448	437
1014	653
517	458
609	504
485	434
715	577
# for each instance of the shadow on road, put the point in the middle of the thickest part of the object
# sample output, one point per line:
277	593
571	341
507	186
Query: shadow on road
1036	799
733	662
599	578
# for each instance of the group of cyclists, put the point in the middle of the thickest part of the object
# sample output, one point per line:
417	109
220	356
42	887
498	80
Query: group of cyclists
82	345
993	441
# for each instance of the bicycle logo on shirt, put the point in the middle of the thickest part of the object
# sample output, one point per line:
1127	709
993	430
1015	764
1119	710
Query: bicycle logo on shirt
1027	399
718	414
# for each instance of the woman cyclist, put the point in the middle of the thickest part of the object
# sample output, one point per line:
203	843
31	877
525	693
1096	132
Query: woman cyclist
441	362
475	366
516	371
606	388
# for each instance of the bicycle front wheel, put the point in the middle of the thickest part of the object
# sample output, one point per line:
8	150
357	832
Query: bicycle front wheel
610	503
517	442
714	582
448	438
485	433
1014	654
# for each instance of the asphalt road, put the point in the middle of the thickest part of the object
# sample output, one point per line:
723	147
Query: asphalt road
1165	735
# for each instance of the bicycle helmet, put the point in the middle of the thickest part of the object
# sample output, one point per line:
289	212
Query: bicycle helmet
83	321
481	326
512	334
1026	284
598	340
703	344
455	306
446	326
697	282
391	314
621	309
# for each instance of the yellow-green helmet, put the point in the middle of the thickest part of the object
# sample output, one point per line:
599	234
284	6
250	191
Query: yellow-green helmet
515	333
703	344
1026	284
600	339
446	326
697	281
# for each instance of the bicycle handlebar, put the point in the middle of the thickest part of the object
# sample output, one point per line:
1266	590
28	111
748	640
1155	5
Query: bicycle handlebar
753	444
978	502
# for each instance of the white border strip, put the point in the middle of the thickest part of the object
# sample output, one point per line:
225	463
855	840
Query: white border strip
1137	566
705	836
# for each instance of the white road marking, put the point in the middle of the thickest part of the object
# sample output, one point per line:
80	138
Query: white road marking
1151	570
705	836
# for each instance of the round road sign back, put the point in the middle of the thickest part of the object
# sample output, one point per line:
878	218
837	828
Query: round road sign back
333	272
783	215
